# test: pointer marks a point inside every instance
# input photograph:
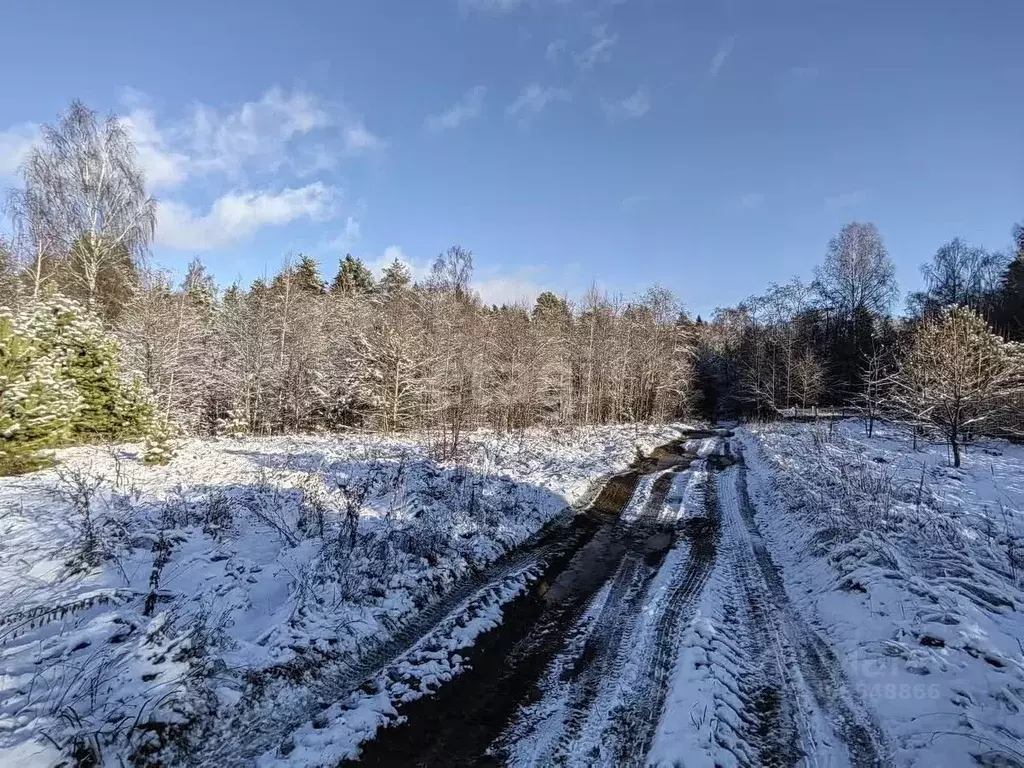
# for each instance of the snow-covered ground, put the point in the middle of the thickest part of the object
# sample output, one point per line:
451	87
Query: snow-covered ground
912	570
144	609
830	598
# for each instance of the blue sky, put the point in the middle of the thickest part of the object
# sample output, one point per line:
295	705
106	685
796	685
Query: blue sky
712	147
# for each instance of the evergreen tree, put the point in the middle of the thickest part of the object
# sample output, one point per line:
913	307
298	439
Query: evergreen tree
1011	299
198	285
353	277
396	277
307	276
88	359
37	404
159	446
548	304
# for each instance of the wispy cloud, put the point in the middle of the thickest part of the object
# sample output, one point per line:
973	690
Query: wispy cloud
295	130
600	48
507	289
555	49
237	215
252	160
532	101
467	108
634	106
15	144
845	200
360	140
721	56
348	237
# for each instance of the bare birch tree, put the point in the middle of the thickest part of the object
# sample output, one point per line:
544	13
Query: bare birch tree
84	202
858	273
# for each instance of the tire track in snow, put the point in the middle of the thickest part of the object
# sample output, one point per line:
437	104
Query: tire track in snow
772	720
605	654
802	659
535	732
586	669
635	637
457	725
634	720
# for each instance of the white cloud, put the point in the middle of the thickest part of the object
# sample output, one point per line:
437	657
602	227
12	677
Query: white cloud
348	237
359	140
721	56
507	290
752	200
845	200
15	144
164	167
532	101
600	48
555	49
418	269
468	107
634	106
237	215
260	136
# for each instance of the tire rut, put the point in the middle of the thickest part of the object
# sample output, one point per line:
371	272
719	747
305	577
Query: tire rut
602	656
788	655
457	725
634	721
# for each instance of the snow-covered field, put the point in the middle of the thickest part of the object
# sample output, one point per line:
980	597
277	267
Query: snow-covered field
787	593
146	609
913	571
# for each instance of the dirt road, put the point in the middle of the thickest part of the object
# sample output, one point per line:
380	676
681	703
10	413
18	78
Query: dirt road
578	671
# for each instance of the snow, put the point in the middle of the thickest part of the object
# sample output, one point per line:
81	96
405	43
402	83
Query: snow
262	642
913	570
254	620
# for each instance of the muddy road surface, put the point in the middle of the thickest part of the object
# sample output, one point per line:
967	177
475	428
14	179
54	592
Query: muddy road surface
579	669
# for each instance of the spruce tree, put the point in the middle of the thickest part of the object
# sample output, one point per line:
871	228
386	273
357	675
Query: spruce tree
307	276
37	404
353	277
88	360
160	444
396	276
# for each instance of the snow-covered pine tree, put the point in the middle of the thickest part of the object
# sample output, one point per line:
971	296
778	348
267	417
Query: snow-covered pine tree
87	357
160	444
353	278
37	404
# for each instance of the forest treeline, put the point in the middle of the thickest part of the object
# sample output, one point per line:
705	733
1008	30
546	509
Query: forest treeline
303	351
